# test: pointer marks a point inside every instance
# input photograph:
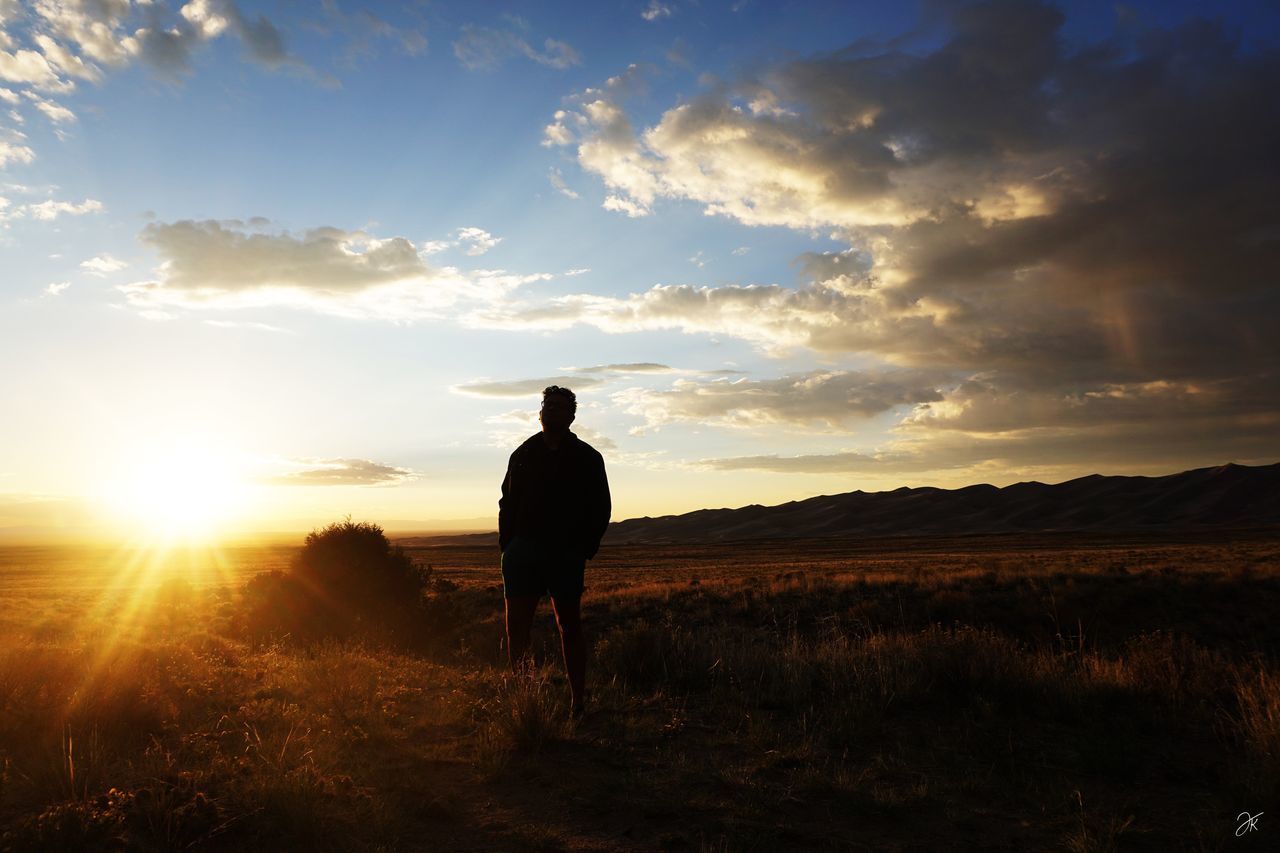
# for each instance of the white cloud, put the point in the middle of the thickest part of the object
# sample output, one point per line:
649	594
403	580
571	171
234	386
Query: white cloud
54	111
656	10
473	241
102	265
247	324
12	152
65	61
476	240
49	210
97	30
206	17
216	265
775	318
557	181
33	69
56	288
625	205
827	398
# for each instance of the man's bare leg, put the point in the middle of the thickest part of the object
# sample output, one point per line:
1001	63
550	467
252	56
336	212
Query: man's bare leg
520	610
573	644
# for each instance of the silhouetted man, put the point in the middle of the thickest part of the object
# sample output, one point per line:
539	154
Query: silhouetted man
553	512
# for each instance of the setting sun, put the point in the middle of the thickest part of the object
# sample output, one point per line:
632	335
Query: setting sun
184	490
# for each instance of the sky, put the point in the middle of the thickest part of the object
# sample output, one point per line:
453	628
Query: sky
266	265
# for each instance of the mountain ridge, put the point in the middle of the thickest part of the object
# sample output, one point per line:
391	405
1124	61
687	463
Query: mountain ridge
1229	495
1219	497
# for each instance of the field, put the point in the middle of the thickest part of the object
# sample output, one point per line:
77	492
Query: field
1000	693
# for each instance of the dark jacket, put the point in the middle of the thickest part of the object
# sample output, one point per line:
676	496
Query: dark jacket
558	496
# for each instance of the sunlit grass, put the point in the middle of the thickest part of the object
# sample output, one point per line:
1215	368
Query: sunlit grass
778	709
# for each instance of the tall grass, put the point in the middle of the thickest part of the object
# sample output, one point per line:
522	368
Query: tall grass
784	709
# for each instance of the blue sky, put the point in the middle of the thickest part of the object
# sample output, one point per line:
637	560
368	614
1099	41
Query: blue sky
319	259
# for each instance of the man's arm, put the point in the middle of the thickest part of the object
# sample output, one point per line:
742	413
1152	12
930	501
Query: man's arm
506	508
600	507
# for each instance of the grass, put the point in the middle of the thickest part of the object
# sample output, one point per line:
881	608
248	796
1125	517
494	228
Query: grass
932	695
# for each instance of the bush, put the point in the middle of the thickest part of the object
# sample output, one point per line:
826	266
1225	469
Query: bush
347	580
354	563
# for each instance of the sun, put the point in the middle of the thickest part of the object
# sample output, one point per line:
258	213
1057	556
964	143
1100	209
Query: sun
183	489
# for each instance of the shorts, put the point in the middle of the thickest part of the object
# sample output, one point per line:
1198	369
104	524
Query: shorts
532	567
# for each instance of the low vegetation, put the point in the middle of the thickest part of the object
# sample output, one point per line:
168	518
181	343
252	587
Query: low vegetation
917	697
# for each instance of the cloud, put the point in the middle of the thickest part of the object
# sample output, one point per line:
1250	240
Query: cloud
52	110
625	205
260	37
57	42
656	10
487	48
33	69
364	29
246	324
56	288
222	265
827	398
844	462
13	152
1045	453
523	387
102	265
1074	236
774	317
477	240
557	181
474	241
628	367
50	210
342	472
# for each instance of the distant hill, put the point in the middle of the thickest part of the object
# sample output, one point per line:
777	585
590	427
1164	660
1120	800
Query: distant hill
1226	496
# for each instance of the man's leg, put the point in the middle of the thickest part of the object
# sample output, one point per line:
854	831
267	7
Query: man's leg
520	610
574	645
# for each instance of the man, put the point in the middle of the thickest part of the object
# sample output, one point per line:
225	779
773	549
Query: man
553	512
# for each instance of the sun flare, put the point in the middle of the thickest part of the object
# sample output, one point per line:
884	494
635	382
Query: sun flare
186	490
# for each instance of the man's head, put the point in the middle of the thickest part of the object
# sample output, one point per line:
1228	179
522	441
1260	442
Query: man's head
559	405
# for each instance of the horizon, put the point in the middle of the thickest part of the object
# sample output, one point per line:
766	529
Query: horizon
266	267
398	530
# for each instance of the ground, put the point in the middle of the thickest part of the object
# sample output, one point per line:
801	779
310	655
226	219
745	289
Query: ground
1016	693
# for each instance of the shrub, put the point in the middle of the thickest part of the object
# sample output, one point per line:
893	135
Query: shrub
348	579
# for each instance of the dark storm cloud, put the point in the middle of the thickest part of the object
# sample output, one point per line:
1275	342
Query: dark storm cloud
1086	234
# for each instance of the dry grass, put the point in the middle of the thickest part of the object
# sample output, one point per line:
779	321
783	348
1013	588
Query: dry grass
930	697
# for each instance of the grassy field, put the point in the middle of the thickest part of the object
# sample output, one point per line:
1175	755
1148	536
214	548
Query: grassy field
993	693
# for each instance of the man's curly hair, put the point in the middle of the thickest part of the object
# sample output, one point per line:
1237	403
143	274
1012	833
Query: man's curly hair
563	392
